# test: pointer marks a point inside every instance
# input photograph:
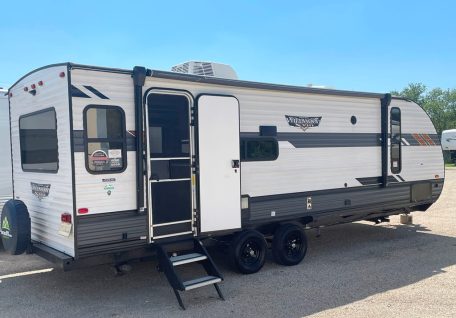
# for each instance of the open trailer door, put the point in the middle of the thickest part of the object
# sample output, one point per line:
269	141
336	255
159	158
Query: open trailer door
219	163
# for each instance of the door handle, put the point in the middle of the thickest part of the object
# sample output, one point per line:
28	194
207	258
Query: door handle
235	164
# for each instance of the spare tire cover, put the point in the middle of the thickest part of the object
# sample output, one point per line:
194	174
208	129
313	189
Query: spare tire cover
15	228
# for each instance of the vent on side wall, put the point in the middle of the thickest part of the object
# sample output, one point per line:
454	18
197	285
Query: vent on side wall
205	69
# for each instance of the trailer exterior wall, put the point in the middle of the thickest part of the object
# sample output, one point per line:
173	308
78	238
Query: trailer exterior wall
6	186
45	212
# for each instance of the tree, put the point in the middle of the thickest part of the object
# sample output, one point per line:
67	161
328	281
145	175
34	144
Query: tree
440	104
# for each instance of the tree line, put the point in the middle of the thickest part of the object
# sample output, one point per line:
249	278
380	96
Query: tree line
440	104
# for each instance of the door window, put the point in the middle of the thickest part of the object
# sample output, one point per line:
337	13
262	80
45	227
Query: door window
105	139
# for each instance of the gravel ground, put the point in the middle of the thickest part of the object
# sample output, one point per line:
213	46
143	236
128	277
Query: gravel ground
353	270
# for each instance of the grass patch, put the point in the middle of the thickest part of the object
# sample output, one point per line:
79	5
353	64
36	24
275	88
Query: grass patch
450	165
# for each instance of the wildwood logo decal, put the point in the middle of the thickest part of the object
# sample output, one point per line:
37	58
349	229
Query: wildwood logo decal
303	122
5	230
40	190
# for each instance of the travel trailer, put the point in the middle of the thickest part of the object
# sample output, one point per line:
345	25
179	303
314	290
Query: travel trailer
449	143
6	187
111	165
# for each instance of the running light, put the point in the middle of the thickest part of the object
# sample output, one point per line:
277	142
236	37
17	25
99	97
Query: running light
83	211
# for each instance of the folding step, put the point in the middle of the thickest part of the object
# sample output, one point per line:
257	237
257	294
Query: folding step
187	258
168	264
201	281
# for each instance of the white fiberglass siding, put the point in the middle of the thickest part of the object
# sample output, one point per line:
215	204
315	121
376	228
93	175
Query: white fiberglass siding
319	168
45	212
91	189
6	186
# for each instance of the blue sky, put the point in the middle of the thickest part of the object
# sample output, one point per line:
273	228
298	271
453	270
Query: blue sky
358	45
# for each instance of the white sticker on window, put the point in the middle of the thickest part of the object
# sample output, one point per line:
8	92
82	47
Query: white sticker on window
115	153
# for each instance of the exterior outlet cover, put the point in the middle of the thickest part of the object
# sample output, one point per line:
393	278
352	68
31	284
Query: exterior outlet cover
309	203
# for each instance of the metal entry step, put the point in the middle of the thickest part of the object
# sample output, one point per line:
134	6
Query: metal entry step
168	261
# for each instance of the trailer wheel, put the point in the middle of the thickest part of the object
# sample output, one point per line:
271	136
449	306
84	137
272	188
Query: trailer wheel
289	245
248	251
15	227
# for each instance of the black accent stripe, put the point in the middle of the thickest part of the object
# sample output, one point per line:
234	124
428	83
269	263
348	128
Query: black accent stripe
96	92
76	92
402	179
78	141
375	180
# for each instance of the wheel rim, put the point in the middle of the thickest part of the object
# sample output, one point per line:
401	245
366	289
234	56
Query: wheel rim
250	252
293	245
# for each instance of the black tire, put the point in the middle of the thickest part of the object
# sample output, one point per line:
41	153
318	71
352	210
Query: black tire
289	245
15	227
248	251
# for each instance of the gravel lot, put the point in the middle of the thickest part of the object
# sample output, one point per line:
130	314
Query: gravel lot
355	270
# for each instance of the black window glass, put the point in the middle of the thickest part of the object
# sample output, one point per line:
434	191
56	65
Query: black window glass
105	131
259	149
168	126
395	119
38	141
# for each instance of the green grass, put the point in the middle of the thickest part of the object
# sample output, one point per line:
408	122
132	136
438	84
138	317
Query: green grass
450	165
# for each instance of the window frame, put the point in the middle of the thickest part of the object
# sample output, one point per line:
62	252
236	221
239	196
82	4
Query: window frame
87	140
259	138
393	169
57	137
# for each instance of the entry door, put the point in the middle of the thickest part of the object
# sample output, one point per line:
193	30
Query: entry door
219	163
170	155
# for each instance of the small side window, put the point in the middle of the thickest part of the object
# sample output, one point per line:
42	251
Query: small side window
38	141
396	139
104	128
259	149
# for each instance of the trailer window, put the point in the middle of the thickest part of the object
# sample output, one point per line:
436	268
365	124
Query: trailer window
38	141
396	139
105	139
259	149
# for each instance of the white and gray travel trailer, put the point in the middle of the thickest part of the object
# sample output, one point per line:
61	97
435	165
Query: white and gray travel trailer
449	143
6	187
111	165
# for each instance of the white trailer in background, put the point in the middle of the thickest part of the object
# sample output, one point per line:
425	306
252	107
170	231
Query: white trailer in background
449	143
111	165
6	186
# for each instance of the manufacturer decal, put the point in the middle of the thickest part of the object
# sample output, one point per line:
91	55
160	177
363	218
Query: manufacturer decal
303	122
109	188
39	190
6	229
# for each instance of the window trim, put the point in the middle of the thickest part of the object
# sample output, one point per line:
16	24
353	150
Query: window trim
395	170
87	140
57	136
258	138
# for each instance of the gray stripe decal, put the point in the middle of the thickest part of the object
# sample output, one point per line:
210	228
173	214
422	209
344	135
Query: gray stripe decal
325	140
78	141
375	180
413	142
329	140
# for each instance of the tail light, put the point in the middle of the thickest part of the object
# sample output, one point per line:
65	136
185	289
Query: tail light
65	218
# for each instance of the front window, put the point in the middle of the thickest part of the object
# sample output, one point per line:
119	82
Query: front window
105	139
38	141
259	149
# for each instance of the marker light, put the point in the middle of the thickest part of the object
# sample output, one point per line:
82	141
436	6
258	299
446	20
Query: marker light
83	210
26	89
33	86
62	74
40	83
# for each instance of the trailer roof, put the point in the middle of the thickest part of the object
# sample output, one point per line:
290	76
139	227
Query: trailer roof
219	81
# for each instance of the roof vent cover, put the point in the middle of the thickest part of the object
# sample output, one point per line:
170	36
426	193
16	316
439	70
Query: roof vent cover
205	69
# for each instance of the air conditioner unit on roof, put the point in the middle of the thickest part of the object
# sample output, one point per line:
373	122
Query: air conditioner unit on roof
205	69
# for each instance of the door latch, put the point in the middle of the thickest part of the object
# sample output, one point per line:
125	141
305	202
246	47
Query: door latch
235	164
